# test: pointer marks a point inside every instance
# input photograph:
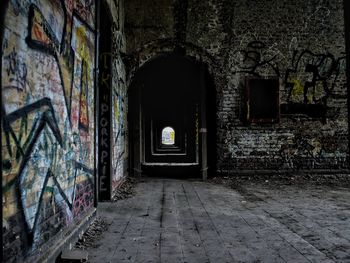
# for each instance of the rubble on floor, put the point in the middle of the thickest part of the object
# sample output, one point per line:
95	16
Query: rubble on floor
236	181
124	191
92	234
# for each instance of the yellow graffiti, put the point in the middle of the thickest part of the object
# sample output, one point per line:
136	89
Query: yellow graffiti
83	49
82	43
298	89
116	110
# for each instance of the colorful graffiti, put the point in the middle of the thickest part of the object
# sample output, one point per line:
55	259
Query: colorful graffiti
47	135
119	110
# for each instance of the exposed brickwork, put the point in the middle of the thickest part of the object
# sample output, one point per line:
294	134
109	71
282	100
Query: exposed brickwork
48	136
48	121
301	43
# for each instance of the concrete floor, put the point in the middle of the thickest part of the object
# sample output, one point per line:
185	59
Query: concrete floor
192	221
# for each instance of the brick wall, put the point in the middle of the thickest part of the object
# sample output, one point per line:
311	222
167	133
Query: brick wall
301	43
48	123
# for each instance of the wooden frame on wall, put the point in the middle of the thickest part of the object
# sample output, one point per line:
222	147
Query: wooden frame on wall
262	103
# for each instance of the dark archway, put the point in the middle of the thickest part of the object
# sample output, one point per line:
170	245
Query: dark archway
172	92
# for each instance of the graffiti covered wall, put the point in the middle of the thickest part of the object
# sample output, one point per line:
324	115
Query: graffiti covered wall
300	43
119	138
307	55
48	123
119	99
119	111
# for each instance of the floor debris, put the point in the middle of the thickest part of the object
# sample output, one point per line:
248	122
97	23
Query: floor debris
126	190
92	234
237	181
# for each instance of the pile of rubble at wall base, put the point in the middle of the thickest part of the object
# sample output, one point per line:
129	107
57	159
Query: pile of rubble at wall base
125	190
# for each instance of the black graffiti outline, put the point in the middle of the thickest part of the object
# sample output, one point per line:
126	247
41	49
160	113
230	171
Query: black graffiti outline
333	70
44	121
17	68
57	48
47	119
255	56
64	32
53	51
301	145
35	44
75	15
87	6
50	174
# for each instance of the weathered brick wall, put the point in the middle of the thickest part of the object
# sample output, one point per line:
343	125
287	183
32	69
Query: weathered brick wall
48	122
48	133
264	38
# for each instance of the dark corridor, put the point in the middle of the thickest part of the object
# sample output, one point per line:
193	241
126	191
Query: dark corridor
169	112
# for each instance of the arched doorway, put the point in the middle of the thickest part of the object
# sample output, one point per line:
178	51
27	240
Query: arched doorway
171	111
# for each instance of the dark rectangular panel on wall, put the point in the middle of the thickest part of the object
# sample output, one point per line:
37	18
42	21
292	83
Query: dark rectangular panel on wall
104	115
262	100
104	147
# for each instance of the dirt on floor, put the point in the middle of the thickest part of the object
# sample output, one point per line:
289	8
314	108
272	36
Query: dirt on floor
92	234
126	190
300	180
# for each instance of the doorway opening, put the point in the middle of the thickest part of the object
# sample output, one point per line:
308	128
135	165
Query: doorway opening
172	119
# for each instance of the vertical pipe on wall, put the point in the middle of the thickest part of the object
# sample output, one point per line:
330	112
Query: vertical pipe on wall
139	134
96	96
347	44
203	125
3	8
